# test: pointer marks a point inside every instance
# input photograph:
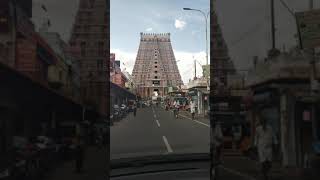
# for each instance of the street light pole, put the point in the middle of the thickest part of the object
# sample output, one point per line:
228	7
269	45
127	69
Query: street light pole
206	23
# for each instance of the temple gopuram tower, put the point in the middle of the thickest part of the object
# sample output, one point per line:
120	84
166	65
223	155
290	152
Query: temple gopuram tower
220	63
155	70
89	42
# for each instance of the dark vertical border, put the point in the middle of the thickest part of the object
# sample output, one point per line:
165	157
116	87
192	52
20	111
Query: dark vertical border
108	83
211	84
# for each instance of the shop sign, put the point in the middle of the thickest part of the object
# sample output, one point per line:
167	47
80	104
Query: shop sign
309	26
206	71
306	115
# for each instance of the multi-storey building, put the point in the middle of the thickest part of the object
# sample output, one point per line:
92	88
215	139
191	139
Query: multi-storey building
155	67
64	75
116	75
90	35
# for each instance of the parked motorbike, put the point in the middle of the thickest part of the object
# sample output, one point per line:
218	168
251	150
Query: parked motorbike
124	110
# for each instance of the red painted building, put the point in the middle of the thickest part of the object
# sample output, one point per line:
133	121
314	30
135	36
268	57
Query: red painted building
116	76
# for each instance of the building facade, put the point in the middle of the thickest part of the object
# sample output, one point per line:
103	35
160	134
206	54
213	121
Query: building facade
90	35
281	92
155	67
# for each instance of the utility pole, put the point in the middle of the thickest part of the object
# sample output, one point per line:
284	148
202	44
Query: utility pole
272	25
310	4
195	70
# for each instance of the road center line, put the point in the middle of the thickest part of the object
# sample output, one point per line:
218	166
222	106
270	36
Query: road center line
158	123
238	173
195	120
169	149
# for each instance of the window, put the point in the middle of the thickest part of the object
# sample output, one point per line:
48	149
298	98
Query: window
156	77
155	66
156	62
155	71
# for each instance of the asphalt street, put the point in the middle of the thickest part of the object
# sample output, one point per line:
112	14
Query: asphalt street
155	131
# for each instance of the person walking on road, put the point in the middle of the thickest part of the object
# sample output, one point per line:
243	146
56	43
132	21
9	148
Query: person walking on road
192	108
134	108
217	138
264	141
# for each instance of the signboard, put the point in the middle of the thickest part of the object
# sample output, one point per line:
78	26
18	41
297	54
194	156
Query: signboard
306	115
309	26
206	70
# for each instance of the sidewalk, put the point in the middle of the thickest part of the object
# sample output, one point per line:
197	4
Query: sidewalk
248	168
95	167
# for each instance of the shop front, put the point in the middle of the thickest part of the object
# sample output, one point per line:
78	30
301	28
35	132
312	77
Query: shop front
292	114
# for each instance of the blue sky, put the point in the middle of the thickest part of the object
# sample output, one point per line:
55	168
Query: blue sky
130	17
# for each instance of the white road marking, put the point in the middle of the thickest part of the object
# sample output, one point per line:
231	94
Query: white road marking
169	149
238	173
195	120
202	123
154	116
158	123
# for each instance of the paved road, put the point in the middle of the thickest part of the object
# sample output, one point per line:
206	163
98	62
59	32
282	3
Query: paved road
154	131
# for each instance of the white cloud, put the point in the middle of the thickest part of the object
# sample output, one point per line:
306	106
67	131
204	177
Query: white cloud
149	29
180	24
185	62
128	58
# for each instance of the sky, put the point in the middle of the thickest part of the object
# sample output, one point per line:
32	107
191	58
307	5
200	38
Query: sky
245	26
187	30
247	31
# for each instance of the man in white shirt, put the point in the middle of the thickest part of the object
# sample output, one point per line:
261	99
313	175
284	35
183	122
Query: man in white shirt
264	141
217	141
192	108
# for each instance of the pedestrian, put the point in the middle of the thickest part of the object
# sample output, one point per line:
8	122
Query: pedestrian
134	108
176	106
192	108
217	140
264	141
79	154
